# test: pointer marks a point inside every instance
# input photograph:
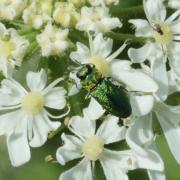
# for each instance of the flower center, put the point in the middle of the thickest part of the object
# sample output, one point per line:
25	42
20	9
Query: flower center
93	148
6	48
101	64
32	102
162	33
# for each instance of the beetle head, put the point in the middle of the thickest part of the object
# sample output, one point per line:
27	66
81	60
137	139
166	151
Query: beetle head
85	71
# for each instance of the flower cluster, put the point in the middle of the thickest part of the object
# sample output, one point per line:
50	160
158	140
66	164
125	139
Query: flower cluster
54	51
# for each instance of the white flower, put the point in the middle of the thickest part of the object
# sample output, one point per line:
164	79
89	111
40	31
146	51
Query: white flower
174	83
65	14
103	2
165	33
13	48
143	104
169	119
140	138
168	116
28	121
38	13
10	9
75	87
174	4
88	144
53	40
100	55
97	19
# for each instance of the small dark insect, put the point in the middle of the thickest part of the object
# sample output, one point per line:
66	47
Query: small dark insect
112	97
156	27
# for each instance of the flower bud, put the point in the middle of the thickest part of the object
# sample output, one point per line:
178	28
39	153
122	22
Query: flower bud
78	3
65	14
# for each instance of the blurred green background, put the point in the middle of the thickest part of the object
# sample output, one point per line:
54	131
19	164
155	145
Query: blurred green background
38	169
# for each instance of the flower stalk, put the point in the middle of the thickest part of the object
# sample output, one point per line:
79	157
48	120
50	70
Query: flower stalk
127	37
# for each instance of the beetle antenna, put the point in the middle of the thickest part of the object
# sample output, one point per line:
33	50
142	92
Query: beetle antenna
90	42
77	62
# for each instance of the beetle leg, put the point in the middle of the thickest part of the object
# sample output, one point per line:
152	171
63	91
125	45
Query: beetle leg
88	95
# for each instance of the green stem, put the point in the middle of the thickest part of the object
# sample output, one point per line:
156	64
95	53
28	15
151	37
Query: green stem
129	12
56	132
127	37
77	36
32	47
31	36
25	31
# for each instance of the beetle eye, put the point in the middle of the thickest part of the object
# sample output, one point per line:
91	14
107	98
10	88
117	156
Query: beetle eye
81	76
89	67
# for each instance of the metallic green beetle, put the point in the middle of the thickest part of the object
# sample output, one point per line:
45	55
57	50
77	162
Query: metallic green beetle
113	98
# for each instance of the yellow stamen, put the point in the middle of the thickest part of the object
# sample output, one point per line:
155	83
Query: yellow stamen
32	102
101	64
6	48
93	148
165	35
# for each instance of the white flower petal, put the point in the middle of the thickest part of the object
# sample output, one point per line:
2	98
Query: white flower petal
81	55
139	138
74	90
141	54
71	149
152	162
21	46
83	126
176	38
6	67
6	100
161	77
55	98
174	60
134	79
141	105
140	134
169	121
18	147
115	164
116	53
81	170
52	40
11	90
3	30
156	175
142	27
8	121
77	86
96	19
36	81
102	47
41	127
95	2
174	4
94	111
174	85
106	24
154	10
171	18
110	131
